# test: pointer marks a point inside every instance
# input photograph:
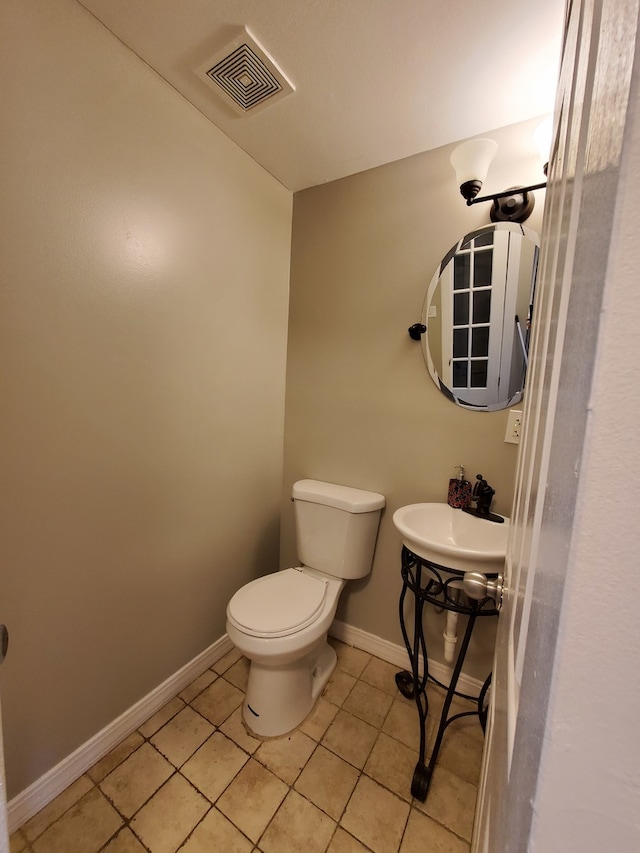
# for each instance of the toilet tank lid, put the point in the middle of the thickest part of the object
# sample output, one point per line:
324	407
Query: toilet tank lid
341	497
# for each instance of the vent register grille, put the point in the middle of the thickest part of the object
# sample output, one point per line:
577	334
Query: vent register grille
246	74
245	78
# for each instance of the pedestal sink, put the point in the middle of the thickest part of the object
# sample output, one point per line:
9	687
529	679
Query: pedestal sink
447	557
453	538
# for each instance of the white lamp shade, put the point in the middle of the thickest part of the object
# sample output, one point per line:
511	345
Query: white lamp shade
542	138
472	159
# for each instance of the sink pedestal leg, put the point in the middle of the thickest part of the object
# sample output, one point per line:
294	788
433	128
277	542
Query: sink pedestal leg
426	581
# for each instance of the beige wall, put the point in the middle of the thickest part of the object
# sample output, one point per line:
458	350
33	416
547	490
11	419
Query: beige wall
361	408
145	266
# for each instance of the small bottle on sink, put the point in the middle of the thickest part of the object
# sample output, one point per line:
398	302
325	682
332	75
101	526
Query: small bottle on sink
459	491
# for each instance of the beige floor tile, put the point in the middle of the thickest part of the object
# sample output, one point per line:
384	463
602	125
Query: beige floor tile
226	661
435	692
319	719
338	687
170	815
424	835
433	724
298	825
470	725
235	728
368	703
181	736
216	833
87	826
436	698
392	764
136	779
286	756
403	724
198	685
69	797
382	675
238	674
375	816
218	701
350	738
18	842
252	799
215	765
327	781
161	717
124	842
115	757
451	801
461	752
350	659
342	842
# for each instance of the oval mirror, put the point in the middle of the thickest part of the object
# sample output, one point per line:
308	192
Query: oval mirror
478	312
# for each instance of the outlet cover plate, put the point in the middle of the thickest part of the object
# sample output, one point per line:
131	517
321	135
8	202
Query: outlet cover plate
514	427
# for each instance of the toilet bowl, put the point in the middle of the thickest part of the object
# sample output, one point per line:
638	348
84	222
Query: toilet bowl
286	641
280	621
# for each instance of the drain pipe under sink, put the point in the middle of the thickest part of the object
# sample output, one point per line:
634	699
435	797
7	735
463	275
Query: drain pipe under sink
450	635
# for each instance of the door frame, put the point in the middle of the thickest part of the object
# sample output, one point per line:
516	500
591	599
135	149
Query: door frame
596	130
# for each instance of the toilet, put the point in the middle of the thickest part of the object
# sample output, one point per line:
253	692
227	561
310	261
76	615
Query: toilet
280	621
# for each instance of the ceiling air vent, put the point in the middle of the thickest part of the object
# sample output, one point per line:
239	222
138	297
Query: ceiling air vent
246	75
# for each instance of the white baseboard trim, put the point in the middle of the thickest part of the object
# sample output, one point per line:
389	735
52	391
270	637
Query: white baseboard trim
26	804
397	655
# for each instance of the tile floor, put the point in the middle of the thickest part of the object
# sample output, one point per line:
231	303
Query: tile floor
192	779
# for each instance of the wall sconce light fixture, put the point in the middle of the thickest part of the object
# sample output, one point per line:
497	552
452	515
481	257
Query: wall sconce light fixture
471	160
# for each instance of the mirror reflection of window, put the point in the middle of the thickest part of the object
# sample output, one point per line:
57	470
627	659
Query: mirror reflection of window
472	284
475	350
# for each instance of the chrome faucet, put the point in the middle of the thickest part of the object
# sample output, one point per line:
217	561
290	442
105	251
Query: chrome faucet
483	495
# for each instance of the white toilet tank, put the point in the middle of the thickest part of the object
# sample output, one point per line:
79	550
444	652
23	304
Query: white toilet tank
336	527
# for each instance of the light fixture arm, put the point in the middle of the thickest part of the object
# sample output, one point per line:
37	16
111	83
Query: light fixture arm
471	161
505	194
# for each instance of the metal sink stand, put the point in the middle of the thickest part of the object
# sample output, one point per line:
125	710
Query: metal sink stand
441	586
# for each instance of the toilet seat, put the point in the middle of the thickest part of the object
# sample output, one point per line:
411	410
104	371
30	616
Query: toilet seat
279	604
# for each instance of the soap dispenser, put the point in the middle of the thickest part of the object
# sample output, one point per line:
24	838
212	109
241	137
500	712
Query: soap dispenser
459	491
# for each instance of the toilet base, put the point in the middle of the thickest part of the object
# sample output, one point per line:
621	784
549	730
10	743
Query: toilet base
280	697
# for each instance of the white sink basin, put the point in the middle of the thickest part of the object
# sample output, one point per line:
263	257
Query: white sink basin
453	538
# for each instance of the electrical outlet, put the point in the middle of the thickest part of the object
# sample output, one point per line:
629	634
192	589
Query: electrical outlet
514	427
